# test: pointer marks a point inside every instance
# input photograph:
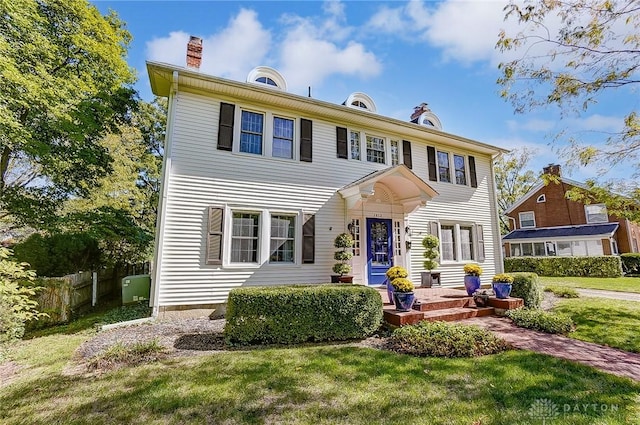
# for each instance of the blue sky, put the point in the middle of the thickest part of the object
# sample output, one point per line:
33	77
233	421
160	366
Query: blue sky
399	53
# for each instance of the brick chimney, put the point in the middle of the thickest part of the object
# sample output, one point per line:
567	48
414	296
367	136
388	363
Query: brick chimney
194	52
418	110
552	169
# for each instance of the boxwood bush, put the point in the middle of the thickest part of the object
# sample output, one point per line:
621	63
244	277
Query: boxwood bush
442	339
301	313
603	266
631	263
527	286
540	320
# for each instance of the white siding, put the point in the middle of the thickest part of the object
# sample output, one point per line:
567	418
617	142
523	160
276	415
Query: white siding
201	176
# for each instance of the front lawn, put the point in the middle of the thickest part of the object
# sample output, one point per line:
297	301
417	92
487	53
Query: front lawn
607	322
623	284
312	385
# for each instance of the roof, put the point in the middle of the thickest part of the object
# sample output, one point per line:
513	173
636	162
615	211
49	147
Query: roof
166	78
605	229
539	186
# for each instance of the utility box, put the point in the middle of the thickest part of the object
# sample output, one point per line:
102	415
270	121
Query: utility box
136	288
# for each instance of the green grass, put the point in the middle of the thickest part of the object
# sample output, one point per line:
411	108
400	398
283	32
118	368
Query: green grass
623	284
310	385
562	291
607	322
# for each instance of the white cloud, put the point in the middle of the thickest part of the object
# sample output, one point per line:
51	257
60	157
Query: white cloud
536	125
597	122
232	53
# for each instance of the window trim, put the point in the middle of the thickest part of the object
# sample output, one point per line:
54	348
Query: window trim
293	135
295	217
477	242
267	133
464	169
385	146
586	214
533	219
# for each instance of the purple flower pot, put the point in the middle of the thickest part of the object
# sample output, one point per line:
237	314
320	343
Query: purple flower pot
502	290
471	284
404	300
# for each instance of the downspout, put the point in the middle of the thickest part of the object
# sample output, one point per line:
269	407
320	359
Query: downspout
497	239
164	184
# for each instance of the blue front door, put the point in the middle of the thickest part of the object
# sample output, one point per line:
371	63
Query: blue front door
379	250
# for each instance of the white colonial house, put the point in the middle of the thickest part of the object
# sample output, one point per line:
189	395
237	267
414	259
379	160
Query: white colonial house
257	182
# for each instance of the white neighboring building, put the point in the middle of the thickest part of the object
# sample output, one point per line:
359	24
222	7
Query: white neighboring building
257	182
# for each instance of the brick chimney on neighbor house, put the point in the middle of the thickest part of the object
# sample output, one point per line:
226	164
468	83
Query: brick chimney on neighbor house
552	169
418	110
194	52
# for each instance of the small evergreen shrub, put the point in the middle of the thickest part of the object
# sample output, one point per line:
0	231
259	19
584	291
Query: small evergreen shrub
562	291
527	286
602	266
631	263
553	323
297	314
442	339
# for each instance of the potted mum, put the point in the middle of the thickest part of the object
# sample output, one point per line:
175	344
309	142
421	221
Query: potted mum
403	293
342	268
394	272
502	284
430	244
472	274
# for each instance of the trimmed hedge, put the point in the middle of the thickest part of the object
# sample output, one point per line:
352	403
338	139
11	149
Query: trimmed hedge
296	314
527	286
540	320
602	266
631	263
442	339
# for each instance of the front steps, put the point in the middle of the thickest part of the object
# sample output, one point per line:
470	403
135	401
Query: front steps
449	307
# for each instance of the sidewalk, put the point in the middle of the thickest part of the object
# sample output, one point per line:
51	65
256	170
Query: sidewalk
607	359
615	295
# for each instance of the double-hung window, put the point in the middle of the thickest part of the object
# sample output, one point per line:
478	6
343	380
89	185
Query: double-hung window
354	141
283	236
444	172
527	219
245	235
251	132
282	138
448	242
461	171
395	152
596	213
466	243
375	150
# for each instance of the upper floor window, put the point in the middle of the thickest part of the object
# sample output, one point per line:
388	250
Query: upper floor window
596	213
444	167
251	132
375	149
267	76
266	80
354	141
542	198
361	101
527	219
395	152
282	137
461	171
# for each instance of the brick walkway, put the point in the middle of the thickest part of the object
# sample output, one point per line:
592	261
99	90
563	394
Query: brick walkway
607	359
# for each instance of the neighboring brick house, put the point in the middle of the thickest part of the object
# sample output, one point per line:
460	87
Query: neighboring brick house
545	223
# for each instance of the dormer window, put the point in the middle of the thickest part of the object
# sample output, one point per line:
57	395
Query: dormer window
423	116
267	76
361	101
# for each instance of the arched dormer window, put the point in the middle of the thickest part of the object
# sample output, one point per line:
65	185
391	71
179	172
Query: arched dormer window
361	101
422	115
267	76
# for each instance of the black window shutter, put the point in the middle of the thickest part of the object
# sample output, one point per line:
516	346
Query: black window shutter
341	142
472	171
406	153
431	160
225	127
306	147
309	239
214	235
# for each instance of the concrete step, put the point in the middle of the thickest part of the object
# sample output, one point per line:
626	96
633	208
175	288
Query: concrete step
442	303
459	313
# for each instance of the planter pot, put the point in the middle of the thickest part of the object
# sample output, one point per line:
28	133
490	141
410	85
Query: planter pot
404	300
390	291
471	284
335	278
502	290
428	279
345	279
481	301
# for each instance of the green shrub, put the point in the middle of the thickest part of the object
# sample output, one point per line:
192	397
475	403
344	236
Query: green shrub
59	254
442	339
296	314
603	266
539	320
562	291
631	263
527	286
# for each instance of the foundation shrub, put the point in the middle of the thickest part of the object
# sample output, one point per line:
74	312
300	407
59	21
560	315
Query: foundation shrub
539	320
442	339
527	286
297	314
631	263
602	266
